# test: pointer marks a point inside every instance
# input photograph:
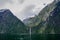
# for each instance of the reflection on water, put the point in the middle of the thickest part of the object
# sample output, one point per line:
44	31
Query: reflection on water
27	37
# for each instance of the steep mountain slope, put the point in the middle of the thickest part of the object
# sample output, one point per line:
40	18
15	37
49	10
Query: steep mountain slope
54	20
47	21
41	16
10	23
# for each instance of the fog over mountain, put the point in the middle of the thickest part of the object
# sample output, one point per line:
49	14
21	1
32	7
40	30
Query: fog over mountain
24	8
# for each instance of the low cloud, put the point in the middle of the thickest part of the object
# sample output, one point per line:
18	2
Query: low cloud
3	2
27	12
24	8
21	1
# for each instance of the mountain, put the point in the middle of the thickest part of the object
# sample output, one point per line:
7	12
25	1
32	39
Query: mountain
40	17
10	23
47	21
54	20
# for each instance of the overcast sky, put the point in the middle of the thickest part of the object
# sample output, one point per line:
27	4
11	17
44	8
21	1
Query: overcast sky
24	8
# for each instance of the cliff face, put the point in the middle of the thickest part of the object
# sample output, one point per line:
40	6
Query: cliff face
54	20
10	23
47	21
42	16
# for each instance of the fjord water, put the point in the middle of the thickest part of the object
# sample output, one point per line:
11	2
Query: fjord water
27	37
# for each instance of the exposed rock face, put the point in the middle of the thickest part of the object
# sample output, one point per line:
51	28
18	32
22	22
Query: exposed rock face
54	20
48	20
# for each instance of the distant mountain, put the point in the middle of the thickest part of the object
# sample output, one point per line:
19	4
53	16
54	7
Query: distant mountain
10	23
47	21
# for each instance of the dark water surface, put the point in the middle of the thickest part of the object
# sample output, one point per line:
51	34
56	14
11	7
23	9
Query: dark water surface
28	37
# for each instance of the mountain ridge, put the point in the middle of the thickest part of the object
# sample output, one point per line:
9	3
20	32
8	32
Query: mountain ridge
9	23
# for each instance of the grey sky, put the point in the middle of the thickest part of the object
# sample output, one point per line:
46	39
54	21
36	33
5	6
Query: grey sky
24	8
